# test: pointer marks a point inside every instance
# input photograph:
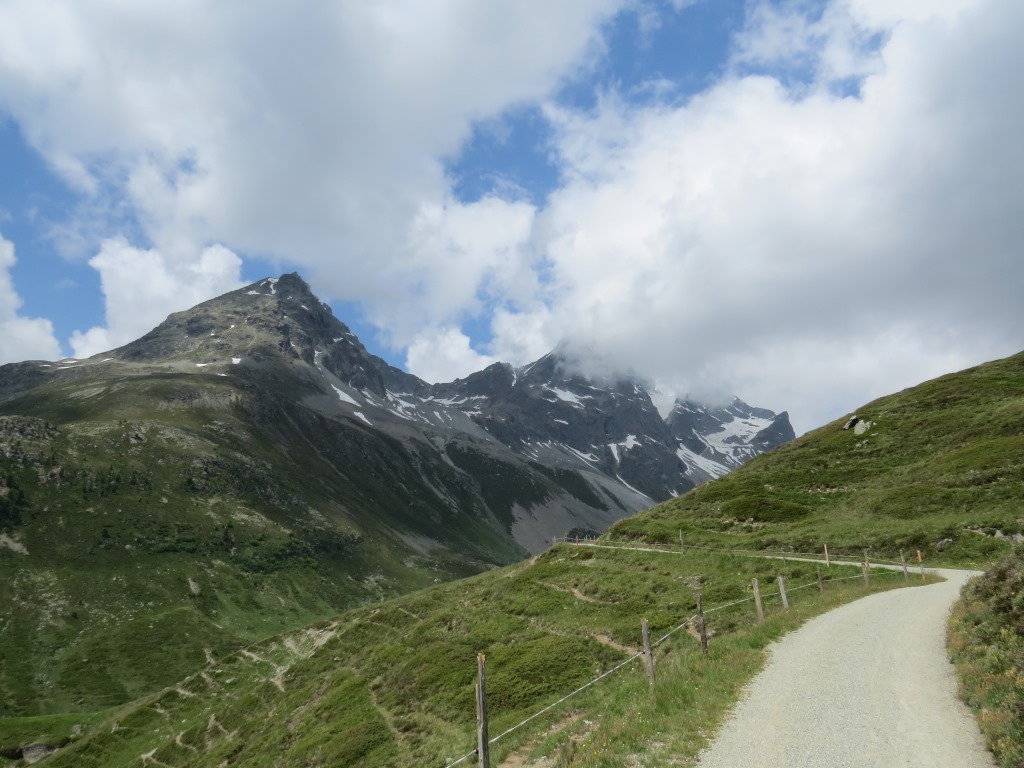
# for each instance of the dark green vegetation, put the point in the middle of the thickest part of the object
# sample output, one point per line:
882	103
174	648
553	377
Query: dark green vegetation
986	640
392	684
208	486
150	520
940	469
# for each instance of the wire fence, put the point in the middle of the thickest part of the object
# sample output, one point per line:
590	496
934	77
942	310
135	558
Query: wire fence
889	569
836	557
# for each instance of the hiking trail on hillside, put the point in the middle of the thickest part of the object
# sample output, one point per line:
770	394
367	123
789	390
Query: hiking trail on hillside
867	685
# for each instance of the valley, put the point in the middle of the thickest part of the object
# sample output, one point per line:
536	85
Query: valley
244	540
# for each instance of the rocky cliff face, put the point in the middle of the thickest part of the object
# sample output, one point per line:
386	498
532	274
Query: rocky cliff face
715	440
551	413
539	449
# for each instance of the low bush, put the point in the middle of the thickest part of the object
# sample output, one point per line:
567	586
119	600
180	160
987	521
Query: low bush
986	641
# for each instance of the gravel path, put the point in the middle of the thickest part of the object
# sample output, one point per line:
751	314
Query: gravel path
865	685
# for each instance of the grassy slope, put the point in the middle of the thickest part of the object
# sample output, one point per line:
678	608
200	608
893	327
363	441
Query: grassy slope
156	534
392	684
986	640
944	460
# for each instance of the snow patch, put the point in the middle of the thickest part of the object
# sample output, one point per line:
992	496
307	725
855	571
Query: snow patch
709	466
345	398
360	415
568	397
449	401
627	444
734	434
236	360
588	457
634	490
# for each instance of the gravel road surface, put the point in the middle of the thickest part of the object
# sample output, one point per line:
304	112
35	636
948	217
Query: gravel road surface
865	685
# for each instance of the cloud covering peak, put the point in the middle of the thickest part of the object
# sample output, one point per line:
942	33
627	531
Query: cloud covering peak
832	214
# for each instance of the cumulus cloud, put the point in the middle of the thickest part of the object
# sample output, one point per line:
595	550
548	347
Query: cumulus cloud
142	287
835	217
21	338
444	354
459	259
841	242
317	137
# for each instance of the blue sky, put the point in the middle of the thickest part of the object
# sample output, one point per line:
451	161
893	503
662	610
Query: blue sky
809	204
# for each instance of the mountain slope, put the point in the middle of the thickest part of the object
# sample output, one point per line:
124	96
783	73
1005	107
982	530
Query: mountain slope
552	413
206	486
937	468
248	467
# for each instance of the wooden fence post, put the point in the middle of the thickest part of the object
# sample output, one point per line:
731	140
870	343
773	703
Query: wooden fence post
648	656
828	563
821	584
782	591
483	747
702	624
757	602
903	562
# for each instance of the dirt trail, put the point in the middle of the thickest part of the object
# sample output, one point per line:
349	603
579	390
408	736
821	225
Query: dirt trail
865	685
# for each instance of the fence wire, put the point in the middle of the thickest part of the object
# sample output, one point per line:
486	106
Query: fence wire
835	557
887	569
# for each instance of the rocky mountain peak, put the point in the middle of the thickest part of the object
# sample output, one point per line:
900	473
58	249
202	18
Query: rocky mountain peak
568	411
274	319
727	434
552	412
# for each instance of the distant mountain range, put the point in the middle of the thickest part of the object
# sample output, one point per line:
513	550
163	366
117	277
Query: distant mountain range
545	422
541	449
248	466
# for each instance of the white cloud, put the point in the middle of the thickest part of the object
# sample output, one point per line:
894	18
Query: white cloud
844	240
524	335
444	354
316	136
458	258
835	46
21	338
758	234
142	287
